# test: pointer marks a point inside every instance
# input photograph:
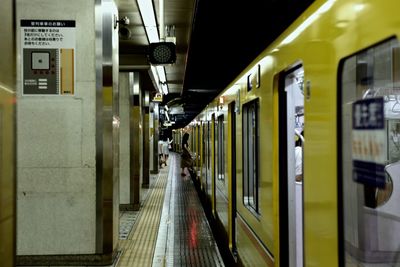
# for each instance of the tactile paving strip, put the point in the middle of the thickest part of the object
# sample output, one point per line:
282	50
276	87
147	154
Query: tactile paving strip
127	219
138	249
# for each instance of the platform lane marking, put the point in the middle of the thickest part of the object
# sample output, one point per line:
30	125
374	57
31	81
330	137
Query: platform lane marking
160	259
138	249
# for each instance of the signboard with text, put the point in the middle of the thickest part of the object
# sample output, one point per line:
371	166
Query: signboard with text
48	57
369	142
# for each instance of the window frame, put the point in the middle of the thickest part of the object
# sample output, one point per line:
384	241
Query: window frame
220	148
250	148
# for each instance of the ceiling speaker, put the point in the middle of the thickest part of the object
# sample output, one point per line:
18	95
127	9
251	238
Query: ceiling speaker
162	53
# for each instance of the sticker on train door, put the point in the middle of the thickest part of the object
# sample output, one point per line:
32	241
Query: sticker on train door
369	142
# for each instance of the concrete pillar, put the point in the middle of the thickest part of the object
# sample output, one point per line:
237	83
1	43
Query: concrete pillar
129	144
68	179
145	139
125	82
135	124
154	140
7	134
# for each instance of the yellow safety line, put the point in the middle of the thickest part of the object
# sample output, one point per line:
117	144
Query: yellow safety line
139	248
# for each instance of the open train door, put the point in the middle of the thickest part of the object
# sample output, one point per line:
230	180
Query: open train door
291	140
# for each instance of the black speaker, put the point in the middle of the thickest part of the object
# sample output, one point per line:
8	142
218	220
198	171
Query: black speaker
162	53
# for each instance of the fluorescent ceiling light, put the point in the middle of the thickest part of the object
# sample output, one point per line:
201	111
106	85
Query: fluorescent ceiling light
149	20
164	88
156	79
160	81
152	34
147	11
161	74
155	74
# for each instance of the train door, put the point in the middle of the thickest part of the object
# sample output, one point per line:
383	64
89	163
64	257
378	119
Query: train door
214	162
199	155
204	157
232	121
209	155
291	166
369	157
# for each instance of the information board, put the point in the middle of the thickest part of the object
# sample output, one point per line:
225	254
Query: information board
369	142
48	57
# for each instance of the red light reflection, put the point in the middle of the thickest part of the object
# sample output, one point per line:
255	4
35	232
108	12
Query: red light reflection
193	241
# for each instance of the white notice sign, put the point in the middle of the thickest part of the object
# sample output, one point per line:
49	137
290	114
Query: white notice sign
48	57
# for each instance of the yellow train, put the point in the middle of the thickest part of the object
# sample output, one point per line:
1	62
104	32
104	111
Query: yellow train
332	81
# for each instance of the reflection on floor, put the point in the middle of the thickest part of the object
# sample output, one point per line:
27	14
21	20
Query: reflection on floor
171	228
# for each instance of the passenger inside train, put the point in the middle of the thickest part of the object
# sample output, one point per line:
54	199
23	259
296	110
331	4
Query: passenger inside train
298	150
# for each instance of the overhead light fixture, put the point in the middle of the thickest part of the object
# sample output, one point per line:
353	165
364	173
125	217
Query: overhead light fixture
164	87
161	74
156	78
146	10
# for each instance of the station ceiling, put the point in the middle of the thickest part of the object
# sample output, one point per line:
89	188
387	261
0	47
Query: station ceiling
215	41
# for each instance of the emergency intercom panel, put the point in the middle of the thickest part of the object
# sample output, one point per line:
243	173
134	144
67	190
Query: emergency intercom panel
41	71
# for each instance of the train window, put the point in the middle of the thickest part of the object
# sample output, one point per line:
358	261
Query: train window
220	148
199	155
250	155
208	171
203	154
370	156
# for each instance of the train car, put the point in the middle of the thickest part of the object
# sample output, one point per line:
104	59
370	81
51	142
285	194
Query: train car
326	91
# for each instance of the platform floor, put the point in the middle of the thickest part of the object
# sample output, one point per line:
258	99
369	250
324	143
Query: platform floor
171	228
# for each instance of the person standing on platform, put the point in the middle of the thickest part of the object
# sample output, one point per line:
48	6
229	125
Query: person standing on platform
161	158
186	158
165	151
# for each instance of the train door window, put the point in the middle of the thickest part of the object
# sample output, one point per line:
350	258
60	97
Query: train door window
200	156
232	180
209	158
369	174
204	155
250	155
220	149
216	156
